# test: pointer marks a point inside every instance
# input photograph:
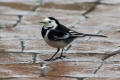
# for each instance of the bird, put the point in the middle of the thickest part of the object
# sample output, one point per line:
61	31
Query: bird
59	36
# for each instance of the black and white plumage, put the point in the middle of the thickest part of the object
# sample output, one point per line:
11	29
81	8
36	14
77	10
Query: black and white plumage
59	36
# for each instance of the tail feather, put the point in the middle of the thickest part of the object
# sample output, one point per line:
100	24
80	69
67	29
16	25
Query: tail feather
77	34
94	35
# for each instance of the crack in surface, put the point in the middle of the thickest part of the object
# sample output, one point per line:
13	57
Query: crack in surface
34	57
22	45
18	21
106	57
36	7
99	67
96	3
111	54
41	2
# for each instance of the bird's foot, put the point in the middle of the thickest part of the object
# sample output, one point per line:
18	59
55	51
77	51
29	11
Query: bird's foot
49	59
60	57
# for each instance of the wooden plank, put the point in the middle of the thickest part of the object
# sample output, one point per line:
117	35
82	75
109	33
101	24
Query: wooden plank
70	69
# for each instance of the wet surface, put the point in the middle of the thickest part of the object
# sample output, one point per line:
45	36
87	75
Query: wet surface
23	51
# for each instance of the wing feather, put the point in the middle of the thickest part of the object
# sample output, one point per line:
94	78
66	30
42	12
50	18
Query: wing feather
58	35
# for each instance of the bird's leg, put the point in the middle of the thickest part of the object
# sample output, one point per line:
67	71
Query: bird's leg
53	55
61	55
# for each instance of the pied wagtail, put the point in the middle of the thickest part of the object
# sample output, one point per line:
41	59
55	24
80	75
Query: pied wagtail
58	36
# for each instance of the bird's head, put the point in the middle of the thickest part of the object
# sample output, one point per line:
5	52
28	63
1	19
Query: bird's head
50	22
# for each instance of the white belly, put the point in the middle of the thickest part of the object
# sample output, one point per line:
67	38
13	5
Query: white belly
56	44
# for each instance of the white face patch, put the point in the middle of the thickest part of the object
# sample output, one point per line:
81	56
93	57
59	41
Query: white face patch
46	20
50	23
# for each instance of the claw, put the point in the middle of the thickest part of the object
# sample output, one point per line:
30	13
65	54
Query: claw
60	57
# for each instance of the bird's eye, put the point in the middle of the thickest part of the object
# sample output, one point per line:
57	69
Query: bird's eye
49	21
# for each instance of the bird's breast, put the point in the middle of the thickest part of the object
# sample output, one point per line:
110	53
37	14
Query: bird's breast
55	44
52	43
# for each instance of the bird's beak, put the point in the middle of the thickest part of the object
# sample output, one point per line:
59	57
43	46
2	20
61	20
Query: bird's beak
43	22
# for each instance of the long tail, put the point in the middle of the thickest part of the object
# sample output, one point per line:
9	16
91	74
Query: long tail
77	34
94	35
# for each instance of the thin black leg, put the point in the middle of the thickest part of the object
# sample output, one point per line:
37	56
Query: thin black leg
61	55
53	55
